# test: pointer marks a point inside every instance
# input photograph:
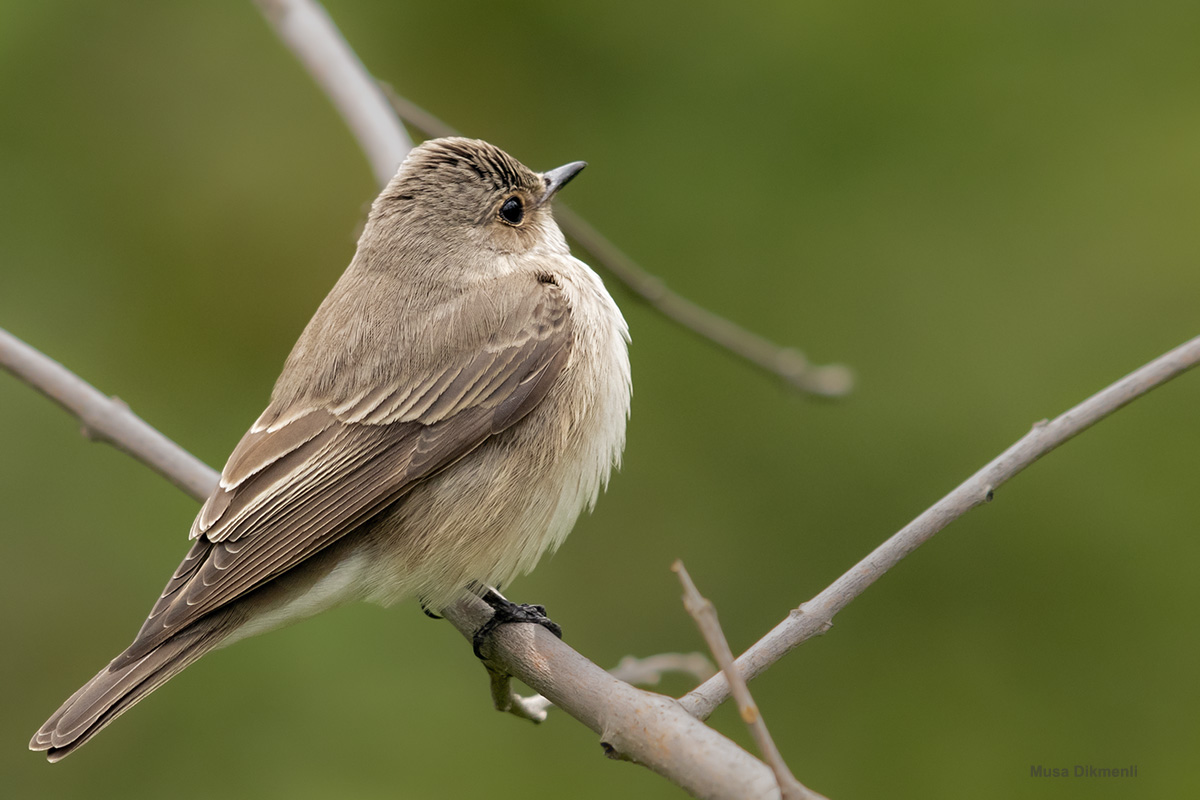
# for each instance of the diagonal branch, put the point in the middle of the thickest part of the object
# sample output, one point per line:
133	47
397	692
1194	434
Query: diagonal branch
305	27
833	380
633	724
371	109
705	615
107	419
816	616
648	671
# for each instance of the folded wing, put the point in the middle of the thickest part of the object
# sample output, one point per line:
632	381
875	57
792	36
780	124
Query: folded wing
302	478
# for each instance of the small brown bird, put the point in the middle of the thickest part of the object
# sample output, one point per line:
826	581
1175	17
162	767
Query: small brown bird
458	398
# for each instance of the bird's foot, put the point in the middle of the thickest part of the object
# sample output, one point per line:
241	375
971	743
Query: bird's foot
504	612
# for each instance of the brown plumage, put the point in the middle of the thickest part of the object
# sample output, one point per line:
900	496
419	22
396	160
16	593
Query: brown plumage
455	402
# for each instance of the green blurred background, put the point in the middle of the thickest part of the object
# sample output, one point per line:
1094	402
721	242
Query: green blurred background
990	210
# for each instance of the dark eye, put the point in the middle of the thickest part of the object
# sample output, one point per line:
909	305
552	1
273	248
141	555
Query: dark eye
513	211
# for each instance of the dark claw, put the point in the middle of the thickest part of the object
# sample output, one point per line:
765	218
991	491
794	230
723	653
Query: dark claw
425	610
504	612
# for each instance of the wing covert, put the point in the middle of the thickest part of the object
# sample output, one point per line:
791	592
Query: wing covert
300	479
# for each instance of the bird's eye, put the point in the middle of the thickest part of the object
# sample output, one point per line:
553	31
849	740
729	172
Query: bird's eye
513	211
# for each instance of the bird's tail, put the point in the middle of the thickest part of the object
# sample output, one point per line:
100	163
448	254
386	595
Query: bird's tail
115	690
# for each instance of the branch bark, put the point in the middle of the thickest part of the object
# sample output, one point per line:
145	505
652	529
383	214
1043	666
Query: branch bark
831	380
107	419
305	27
705	614
309	32
634	725
816	616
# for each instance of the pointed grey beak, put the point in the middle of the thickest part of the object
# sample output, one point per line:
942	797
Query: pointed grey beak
560	177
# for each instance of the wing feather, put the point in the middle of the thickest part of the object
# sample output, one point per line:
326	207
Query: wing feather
301	479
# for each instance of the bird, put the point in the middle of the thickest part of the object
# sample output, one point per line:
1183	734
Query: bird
456	401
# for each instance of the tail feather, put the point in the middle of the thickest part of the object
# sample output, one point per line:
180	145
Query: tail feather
115	690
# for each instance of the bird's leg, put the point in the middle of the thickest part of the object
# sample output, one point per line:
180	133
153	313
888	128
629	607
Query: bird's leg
506	611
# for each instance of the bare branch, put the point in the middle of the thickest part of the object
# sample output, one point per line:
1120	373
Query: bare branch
635	671
817	614
106	419
307	30
705	614
505	699
633	724
833	380
649	671
371	110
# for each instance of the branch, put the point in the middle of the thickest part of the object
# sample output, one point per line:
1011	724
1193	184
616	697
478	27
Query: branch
816	616
107	419
635	671
833	380
648	671
307	30
705	615
305	27
634	725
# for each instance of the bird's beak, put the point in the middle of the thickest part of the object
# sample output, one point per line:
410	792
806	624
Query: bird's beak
558	178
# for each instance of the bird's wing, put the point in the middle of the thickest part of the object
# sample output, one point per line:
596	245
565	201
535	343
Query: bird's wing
296	485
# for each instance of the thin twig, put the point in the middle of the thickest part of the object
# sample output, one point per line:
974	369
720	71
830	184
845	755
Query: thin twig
532	708
704	613
305	27
816	616
106	419
833	380
649	671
